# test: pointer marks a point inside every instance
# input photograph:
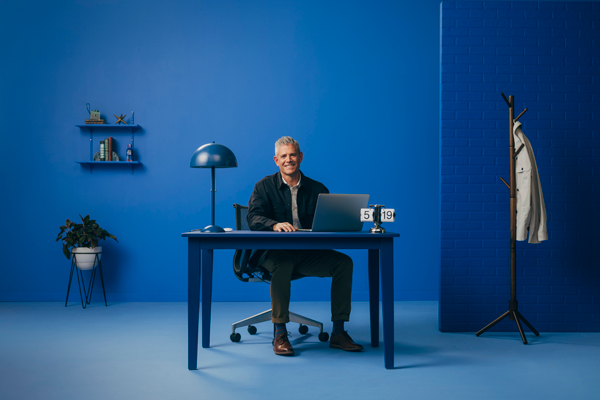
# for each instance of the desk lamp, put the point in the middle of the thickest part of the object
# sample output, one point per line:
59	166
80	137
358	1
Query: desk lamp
213	156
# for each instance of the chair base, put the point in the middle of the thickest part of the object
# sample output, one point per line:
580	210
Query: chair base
266	316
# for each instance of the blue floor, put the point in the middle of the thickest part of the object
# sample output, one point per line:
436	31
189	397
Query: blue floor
139	351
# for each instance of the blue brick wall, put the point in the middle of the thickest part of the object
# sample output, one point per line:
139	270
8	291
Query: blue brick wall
546	54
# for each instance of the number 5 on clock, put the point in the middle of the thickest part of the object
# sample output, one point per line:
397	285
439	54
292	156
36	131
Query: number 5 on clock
366	215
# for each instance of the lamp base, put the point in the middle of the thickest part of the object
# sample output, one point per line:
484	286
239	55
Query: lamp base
213	229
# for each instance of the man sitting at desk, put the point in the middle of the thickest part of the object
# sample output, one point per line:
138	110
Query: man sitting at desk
285	202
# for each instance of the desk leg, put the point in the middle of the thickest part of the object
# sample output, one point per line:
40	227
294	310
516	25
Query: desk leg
374	295
387	297
193	301
207	272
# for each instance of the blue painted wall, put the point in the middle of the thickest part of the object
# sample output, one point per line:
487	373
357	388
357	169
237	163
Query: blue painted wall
546	54
355	82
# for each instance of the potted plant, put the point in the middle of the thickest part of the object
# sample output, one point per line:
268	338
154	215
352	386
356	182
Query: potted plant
82	239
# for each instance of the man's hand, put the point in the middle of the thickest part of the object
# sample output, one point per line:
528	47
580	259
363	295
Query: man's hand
284	227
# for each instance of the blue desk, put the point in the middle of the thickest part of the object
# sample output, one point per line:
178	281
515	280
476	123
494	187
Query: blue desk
201	247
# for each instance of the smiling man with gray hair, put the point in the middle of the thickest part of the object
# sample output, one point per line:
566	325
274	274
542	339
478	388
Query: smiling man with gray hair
285	202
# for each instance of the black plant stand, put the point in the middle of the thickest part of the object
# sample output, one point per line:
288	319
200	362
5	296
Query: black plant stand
513	306
88	293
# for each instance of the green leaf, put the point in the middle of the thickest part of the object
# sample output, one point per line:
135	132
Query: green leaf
85	234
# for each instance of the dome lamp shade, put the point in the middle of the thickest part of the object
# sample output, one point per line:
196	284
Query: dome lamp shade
213	155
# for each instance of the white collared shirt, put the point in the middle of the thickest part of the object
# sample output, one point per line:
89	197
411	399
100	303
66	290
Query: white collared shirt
294	192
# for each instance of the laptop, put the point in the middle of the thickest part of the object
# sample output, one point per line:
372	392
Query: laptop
338	213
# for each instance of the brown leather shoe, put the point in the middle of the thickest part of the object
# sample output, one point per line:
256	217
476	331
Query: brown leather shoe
344	341
282	346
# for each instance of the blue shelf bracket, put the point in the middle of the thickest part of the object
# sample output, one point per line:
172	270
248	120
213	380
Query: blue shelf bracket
132	146
91	148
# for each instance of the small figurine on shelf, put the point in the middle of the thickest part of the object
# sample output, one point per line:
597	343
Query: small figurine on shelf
129	152
120	119
94	116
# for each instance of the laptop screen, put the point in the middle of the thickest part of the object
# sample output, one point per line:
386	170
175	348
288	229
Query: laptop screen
339	212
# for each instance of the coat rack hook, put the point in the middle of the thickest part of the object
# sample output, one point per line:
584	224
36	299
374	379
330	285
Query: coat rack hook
523	112
505	99
507	185
518	151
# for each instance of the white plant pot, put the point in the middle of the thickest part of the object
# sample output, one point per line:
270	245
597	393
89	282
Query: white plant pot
85	257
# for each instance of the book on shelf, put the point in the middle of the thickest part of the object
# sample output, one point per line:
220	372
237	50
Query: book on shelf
94	121
107	151
102	150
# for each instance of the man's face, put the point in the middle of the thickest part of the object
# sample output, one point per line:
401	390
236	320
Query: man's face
288	159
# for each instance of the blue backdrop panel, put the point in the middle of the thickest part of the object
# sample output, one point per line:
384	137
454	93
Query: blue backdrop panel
355	82
546	54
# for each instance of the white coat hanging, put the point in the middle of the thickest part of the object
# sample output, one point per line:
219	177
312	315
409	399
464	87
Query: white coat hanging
531	210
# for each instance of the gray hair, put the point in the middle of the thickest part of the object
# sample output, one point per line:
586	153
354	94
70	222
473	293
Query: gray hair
284	141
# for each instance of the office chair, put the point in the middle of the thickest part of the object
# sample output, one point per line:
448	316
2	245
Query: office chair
245	273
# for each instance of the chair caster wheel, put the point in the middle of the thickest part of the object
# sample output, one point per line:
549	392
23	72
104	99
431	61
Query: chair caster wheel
252	329
235	337
323	336
303	329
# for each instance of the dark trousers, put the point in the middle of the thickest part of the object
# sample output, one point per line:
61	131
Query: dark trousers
282	264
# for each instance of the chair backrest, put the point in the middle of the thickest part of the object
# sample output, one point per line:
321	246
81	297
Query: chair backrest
241	214
242	270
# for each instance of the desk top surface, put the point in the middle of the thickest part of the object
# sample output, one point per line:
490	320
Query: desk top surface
274	235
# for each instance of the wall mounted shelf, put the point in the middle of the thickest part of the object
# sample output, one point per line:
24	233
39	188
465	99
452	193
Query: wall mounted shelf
110	162
109	126
114	129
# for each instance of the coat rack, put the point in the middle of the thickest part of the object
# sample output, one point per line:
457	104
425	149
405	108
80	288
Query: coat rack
513	306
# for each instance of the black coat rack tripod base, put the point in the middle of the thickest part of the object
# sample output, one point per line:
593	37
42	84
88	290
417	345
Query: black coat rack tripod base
513	305
514	315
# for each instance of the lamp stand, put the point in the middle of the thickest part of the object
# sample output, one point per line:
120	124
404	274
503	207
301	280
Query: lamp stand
213	227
